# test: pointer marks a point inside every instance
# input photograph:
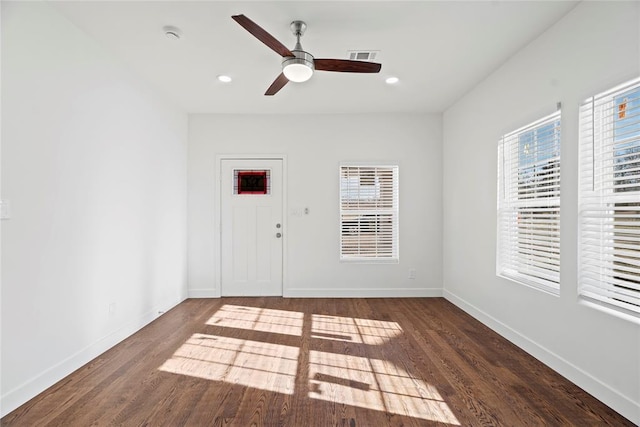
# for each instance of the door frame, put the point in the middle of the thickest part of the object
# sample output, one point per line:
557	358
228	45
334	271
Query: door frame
217	213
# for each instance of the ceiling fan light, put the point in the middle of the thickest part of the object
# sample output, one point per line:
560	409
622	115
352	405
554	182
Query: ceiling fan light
299	68
297	72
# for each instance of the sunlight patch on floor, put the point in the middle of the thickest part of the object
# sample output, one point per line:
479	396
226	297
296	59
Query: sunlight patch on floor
255	364
374	384
351	329
333	377
258	319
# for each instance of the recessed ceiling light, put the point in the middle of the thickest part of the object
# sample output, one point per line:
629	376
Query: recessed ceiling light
224	79
172	33
392	80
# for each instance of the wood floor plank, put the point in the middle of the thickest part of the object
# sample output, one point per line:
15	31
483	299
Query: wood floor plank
536	383
484	368
314	362
486	375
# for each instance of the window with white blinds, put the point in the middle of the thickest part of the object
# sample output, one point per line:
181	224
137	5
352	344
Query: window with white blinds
609	249
528	249
369	213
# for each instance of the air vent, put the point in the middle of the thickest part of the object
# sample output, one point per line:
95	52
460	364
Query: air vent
362	55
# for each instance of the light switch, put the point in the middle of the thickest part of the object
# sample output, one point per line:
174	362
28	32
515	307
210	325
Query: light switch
5	209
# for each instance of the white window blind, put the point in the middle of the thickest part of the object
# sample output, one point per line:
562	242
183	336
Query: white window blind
368	213
609	249
529	204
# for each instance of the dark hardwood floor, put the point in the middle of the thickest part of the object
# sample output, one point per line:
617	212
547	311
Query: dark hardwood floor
314	362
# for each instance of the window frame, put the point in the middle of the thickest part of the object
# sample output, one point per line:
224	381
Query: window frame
393	212
529	206
609	194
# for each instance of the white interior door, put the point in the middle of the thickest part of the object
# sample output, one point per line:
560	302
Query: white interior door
251	227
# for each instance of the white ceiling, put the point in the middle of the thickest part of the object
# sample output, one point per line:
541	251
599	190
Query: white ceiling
438	49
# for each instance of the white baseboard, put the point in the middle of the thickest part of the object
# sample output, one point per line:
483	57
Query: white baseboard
363	293
338	293
611	397
203	293
36	385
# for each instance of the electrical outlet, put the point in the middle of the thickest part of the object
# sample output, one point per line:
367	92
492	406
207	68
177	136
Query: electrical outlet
412	273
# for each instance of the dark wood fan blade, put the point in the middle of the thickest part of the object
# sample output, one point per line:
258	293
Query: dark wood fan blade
277	84
346	66
259	33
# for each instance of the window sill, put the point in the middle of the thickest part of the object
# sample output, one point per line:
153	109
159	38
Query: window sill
369	261
554	291
618	312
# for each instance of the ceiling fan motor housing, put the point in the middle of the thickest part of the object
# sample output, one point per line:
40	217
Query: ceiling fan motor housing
300	67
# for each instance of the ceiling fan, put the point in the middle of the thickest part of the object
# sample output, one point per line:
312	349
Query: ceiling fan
298	65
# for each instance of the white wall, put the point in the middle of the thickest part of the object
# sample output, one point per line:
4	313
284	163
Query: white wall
595	46
314	146
94	166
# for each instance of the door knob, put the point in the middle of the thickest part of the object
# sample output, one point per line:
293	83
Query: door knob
278	226
278	235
